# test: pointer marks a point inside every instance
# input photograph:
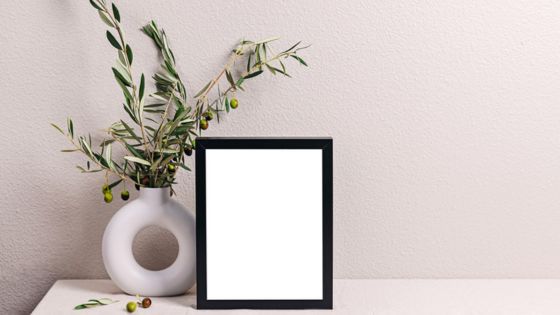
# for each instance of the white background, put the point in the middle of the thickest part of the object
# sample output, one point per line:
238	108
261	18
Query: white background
444	114
264	224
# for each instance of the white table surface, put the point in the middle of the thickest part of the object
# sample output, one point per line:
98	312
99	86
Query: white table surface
350	297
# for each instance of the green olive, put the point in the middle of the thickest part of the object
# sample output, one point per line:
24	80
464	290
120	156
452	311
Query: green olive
203	124
209	116
233	103
105	188
171	167
125	195
131	307
108	197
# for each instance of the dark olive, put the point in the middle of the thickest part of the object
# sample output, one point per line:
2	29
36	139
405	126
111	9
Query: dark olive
146	302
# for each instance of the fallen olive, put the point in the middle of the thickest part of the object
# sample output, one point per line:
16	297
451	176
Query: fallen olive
131	307
146	302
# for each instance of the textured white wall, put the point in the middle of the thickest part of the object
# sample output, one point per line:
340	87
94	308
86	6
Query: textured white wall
445	117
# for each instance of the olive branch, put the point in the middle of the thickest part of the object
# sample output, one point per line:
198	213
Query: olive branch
164	124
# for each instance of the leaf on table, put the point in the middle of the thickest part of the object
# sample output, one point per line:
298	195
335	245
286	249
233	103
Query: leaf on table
94	303
104	301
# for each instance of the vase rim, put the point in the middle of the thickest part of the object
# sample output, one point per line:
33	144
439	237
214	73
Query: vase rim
155	195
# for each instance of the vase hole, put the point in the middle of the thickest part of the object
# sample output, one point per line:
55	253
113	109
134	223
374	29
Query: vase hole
155	248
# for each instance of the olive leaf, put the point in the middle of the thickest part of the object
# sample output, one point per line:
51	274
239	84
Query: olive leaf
141	91
300	60
230	78
120	77
137	160
116	13
105	18
95	5
252	75
226	104
95	303
129	54
57	128
203	89
70	127
113	41
114	184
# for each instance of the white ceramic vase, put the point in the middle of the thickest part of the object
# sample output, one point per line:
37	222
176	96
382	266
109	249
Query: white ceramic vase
153	207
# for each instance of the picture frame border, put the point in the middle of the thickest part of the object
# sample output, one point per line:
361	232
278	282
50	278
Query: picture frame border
324	144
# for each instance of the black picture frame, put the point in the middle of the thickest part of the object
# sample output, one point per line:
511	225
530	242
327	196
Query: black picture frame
324	144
